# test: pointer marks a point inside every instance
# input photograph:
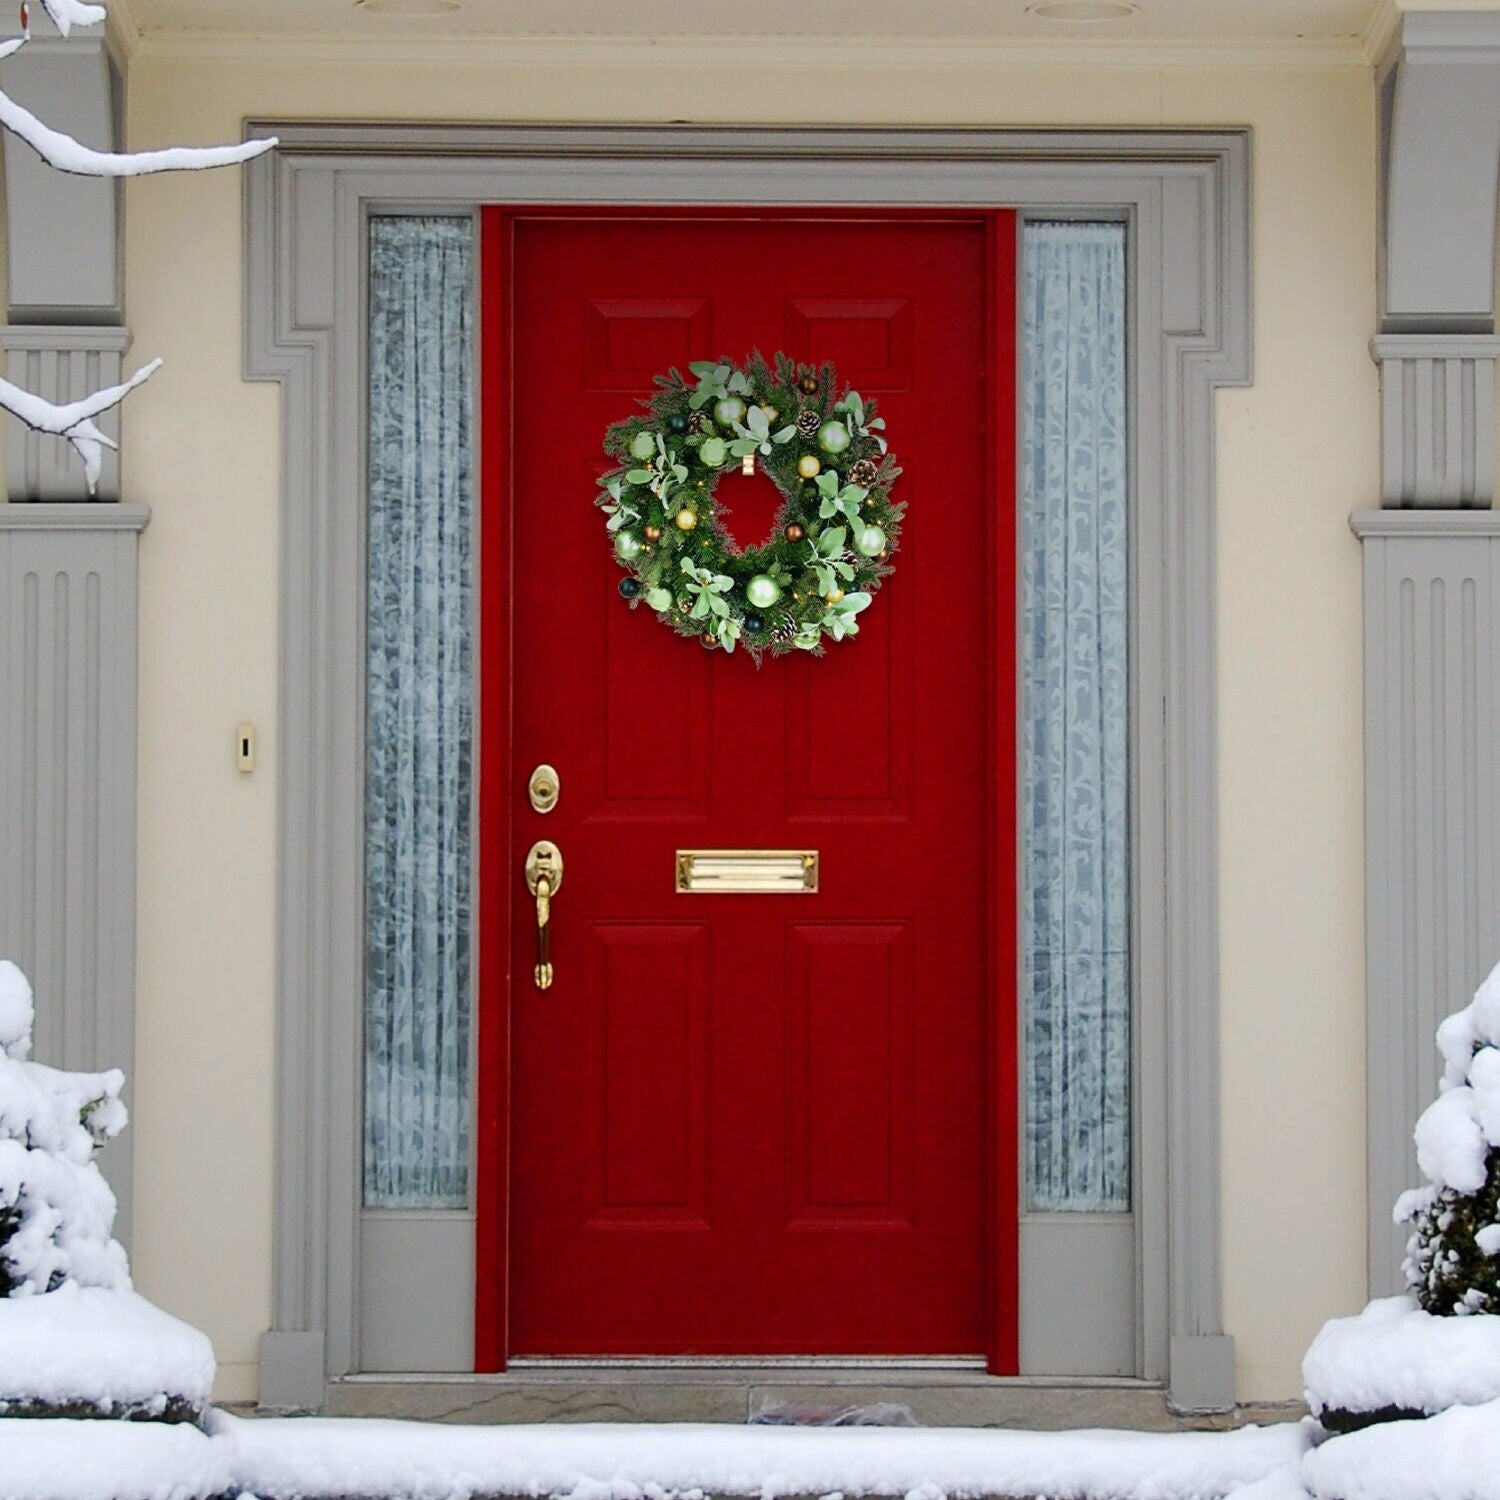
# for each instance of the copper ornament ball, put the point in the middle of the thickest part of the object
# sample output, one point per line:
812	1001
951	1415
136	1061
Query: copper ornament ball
653	533
794	532
808	385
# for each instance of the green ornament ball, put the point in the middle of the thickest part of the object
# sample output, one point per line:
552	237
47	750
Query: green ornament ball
729	410
643	446
833	437
713	452
627	546
762	591
870	541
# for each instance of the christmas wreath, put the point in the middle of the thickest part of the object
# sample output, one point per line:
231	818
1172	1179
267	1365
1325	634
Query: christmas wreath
835	531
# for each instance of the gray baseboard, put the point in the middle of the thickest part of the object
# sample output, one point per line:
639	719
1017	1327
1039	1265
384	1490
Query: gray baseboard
291	1371
1202	1373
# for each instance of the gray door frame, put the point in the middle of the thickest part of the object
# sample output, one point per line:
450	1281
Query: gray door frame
1186	198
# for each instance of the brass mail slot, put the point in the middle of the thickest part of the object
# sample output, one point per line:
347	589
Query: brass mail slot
760	872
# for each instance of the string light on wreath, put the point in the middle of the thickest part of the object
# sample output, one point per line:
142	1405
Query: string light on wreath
835	532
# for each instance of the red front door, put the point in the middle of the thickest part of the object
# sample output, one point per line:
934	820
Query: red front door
748	1124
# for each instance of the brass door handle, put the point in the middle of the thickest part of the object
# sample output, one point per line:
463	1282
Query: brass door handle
544	873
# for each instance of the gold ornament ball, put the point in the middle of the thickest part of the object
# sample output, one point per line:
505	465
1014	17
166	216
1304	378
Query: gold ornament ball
794	532
686	519
809	465
834	595
769	410
653	533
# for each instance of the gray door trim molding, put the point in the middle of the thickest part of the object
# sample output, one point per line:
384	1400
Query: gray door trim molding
1187	198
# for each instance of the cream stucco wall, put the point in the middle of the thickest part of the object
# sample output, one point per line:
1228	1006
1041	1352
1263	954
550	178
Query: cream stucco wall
1297	452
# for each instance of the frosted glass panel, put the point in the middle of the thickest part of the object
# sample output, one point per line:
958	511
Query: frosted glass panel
419	710
1075	686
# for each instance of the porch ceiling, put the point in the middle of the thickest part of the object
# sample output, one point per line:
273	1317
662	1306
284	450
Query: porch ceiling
1316	22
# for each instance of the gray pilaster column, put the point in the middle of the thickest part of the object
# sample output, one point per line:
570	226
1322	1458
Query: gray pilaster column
1432	585
67	781
1432	797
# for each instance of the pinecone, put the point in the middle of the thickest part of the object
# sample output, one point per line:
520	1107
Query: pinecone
697	422
808	421
863	473
784	629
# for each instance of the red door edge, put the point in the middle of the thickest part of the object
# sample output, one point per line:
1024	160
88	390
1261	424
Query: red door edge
493	886
1003	966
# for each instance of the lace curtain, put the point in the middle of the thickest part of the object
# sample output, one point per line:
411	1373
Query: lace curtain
418	715
1075	684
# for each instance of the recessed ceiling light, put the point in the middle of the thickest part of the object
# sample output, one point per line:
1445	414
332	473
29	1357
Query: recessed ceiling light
410	7
1084	10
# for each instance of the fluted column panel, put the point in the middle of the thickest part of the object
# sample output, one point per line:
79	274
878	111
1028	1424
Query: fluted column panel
67	780
1432	777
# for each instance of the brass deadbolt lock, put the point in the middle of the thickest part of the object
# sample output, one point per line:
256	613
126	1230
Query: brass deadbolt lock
543	789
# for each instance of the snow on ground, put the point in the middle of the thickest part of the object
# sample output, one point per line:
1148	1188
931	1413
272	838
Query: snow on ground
111	1349
1455	1456
310	1458
95	1460
313	1457
1394	1354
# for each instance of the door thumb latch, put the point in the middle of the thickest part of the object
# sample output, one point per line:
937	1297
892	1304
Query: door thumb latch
544	873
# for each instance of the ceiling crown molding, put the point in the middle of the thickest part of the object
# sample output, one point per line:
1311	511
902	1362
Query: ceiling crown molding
123	30
1382	31
762	51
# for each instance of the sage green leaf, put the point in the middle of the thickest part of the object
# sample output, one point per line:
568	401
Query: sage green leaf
639	476
785	435
700	607
832	540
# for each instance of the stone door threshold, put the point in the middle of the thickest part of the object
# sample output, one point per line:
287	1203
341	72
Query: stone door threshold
941	1393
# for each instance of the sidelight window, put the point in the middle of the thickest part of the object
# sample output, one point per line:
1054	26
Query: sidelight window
1076	999
419	714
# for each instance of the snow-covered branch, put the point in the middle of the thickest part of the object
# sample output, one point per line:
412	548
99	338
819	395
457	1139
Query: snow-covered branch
74	421
68	155
66	14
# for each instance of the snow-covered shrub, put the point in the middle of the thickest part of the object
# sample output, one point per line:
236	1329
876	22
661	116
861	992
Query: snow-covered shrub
1453	1258
57	1213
